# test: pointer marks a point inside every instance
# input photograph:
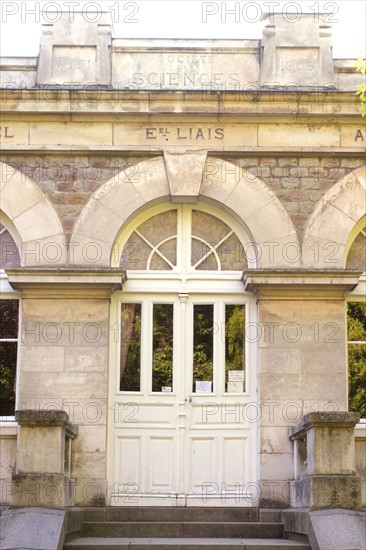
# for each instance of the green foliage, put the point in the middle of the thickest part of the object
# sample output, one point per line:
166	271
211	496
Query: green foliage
235	337
360	65
162	346
131	339
8	355
9	318
356	327
202	364
203	343
7	379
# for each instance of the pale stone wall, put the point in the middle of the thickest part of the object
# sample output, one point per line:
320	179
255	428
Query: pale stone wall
301	369
69	182
64	365
299	182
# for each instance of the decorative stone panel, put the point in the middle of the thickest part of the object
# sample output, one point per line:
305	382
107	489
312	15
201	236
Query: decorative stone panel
297	54
76	52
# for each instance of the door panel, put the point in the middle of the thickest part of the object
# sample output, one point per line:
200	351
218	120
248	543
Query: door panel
202	454
160	458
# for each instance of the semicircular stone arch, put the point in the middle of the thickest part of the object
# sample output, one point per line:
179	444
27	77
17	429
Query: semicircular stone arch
223	184
38	227
330	230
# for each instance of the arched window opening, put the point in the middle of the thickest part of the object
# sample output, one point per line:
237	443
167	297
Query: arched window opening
201	241
9	253
356	258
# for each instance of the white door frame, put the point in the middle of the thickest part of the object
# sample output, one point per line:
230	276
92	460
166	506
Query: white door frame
166	289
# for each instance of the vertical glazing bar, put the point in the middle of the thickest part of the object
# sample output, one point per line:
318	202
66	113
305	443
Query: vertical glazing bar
181	394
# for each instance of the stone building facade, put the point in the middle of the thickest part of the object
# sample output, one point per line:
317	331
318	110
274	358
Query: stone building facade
202	185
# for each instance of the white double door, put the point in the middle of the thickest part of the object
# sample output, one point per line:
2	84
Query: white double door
182	377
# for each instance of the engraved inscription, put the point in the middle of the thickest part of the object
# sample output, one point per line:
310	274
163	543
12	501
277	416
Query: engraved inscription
74	64
299	64
179	133
188	59
6	132
185	79
359	136
188	70
295	66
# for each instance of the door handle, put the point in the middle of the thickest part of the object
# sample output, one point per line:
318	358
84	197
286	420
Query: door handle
189	399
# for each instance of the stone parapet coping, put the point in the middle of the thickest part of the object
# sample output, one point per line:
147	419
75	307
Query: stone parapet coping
262	104
344	419
8	429
49	418
360	430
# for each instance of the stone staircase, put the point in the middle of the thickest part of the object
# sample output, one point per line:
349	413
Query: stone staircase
183	528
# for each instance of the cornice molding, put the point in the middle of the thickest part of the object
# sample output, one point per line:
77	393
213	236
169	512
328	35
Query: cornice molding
300	284
66	283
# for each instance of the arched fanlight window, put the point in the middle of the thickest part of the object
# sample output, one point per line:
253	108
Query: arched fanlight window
356	258
9	254
197	239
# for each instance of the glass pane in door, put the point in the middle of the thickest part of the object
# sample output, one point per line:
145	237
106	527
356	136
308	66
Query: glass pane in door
162	353
130	358
203	348
234	348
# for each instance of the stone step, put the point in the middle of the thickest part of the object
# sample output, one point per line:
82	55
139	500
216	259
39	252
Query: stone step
194	514
123	543
183	529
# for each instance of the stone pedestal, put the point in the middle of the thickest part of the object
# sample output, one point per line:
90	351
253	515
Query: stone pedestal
328	479
43	465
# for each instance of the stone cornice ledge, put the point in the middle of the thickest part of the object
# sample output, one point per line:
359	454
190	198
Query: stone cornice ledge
323	419
43	419
284	282
67	283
